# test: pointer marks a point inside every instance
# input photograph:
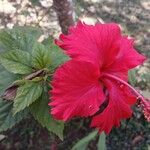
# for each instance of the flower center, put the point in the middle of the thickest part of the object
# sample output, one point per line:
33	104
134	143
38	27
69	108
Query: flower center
105	103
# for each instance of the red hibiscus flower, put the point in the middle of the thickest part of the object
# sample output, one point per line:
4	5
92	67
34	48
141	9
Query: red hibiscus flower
94	82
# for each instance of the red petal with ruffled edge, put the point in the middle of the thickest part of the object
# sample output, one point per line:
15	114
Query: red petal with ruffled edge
105	55
120	100
126	59
76	90
102	45
95	44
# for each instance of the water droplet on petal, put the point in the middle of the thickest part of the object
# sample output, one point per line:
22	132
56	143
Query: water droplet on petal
121	86
90	106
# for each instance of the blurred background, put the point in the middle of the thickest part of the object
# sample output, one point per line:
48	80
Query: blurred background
134	18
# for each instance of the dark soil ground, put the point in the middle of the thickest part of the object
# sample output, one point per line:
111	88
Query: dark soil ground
133	134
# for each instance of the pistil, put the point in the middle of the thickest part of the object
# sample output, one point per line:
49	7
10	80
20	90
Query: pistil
144	103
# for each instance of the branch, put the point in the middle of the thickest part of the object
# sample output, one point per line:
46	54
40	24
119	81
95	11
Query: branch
64	10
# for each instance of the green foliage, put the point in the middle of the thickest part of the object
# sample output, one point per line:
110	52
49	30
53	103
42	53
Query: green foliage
7	120
41	112
101	145
41	56
6	79
47	55
139	77
35	2
16	61
20	38
132	77
27	64
57	55
26	95
83	143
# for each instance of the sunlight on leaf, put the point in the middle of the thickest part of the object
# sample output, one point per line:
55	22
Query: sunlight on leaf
19	38
16	61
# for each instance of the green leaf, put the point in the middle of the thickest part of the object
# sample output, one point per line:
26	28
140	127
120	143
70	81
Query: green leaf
47	55
83	143
101	145
19	38
6	78
7	120
57	55
132	77
26	95
41	56
16	61
41	113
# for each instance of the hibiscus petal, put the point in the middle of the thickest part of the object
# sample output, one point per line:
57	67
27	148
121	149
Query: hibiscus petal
90	43
76	90
127	58
120	100
103	45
